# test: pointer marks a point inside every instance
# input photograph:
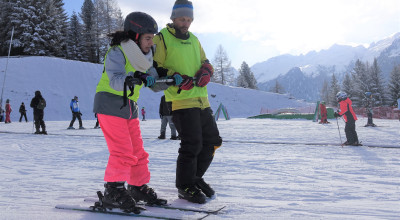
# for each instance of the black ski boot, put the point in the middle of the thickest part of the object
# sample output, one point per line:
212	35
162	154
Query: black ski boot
192	194
146	194
162	136
116	196
205	188
175	138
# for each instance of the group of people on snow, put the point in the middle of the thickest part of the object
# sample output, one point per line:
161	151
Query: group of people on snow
8	110
138	58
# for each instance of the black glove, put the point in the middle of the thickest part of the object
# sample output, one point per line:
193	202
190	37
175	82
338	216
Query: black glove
335	114
132	81
161	116
80	113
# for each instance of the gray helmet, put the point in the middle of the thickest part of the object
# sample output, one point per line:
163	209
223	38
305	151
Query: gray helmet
140	23
340	96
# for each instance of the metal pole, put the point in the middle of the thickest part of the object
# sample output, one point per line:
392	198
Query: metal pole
5	71
337	122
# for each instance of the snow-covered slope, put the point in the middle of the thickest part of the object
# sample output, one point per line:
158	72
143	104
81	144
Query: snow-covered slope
60	80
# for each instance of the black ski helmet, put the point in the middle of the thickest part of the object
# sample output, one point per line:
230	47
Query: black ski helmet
140	23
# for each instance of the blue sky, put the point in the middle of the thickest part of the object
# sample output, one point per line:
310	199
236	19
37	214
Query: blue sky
256	30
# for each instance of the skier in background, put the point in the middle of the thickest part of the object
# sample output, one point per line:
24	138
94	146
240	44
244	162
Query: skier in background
398	105
165	111
323	113
179	53
119	117
22	110
38	104
97	121
368	102
1	114
8	111
143	114
76	113
346	110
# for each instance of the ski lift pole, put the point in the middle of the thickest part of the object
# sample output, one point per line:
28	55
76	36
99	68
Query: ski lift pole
5	71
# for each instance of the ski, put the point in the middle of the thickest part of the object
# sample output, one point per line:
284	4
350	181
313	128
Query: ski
172	207
143	214
169	206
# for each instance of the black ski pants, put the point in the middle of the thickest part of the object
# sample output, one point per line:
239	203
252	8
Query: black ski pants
76	115
23	115
38	117
350	130
199	140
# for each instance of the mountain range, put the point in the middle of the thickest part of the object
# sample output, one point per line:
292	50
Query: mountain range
303	76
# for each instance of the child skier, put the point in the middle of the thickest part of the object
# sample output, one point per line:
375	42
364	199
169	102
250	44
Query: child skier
346	110
129	56
143	114
323	112
8	111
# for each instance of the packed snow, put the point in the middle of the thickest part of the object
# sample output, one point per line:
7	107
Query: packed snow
253	175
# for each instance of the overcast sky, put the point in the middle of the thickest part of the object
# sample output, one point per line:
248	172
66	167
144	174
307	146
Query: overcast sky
256	30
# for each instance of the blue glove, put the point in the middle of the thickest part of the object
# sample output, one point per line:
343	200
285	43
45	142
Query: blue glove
147	80
177	78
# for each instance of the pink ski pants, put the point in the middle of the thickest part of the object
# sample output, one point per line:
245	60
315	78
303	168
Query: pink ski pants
128	161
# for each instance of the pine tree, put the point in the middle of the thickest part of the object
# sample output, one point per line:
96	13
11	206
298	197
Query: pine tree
394	86
89	32
277	88
61	24
361	82
108	20
75	47
333	90
6	8
246	78
222	67
19	18
377	81
347	86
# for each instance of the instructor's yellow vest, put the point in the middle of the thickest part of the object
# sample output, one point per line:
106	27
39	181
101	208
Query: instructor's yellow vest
104	83
183	56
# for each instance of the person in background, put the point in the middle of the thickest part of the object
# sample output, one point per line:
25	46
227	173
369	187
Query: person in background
38	103
22	110
398	105
368	102
323	113
179	53
8	111
97	121
143	114
1	114
76	113
346	110
165	111
125	65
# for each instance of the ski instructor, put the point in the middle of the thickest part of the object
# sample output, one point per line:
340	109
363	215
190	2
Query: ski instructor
125	66
178	52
